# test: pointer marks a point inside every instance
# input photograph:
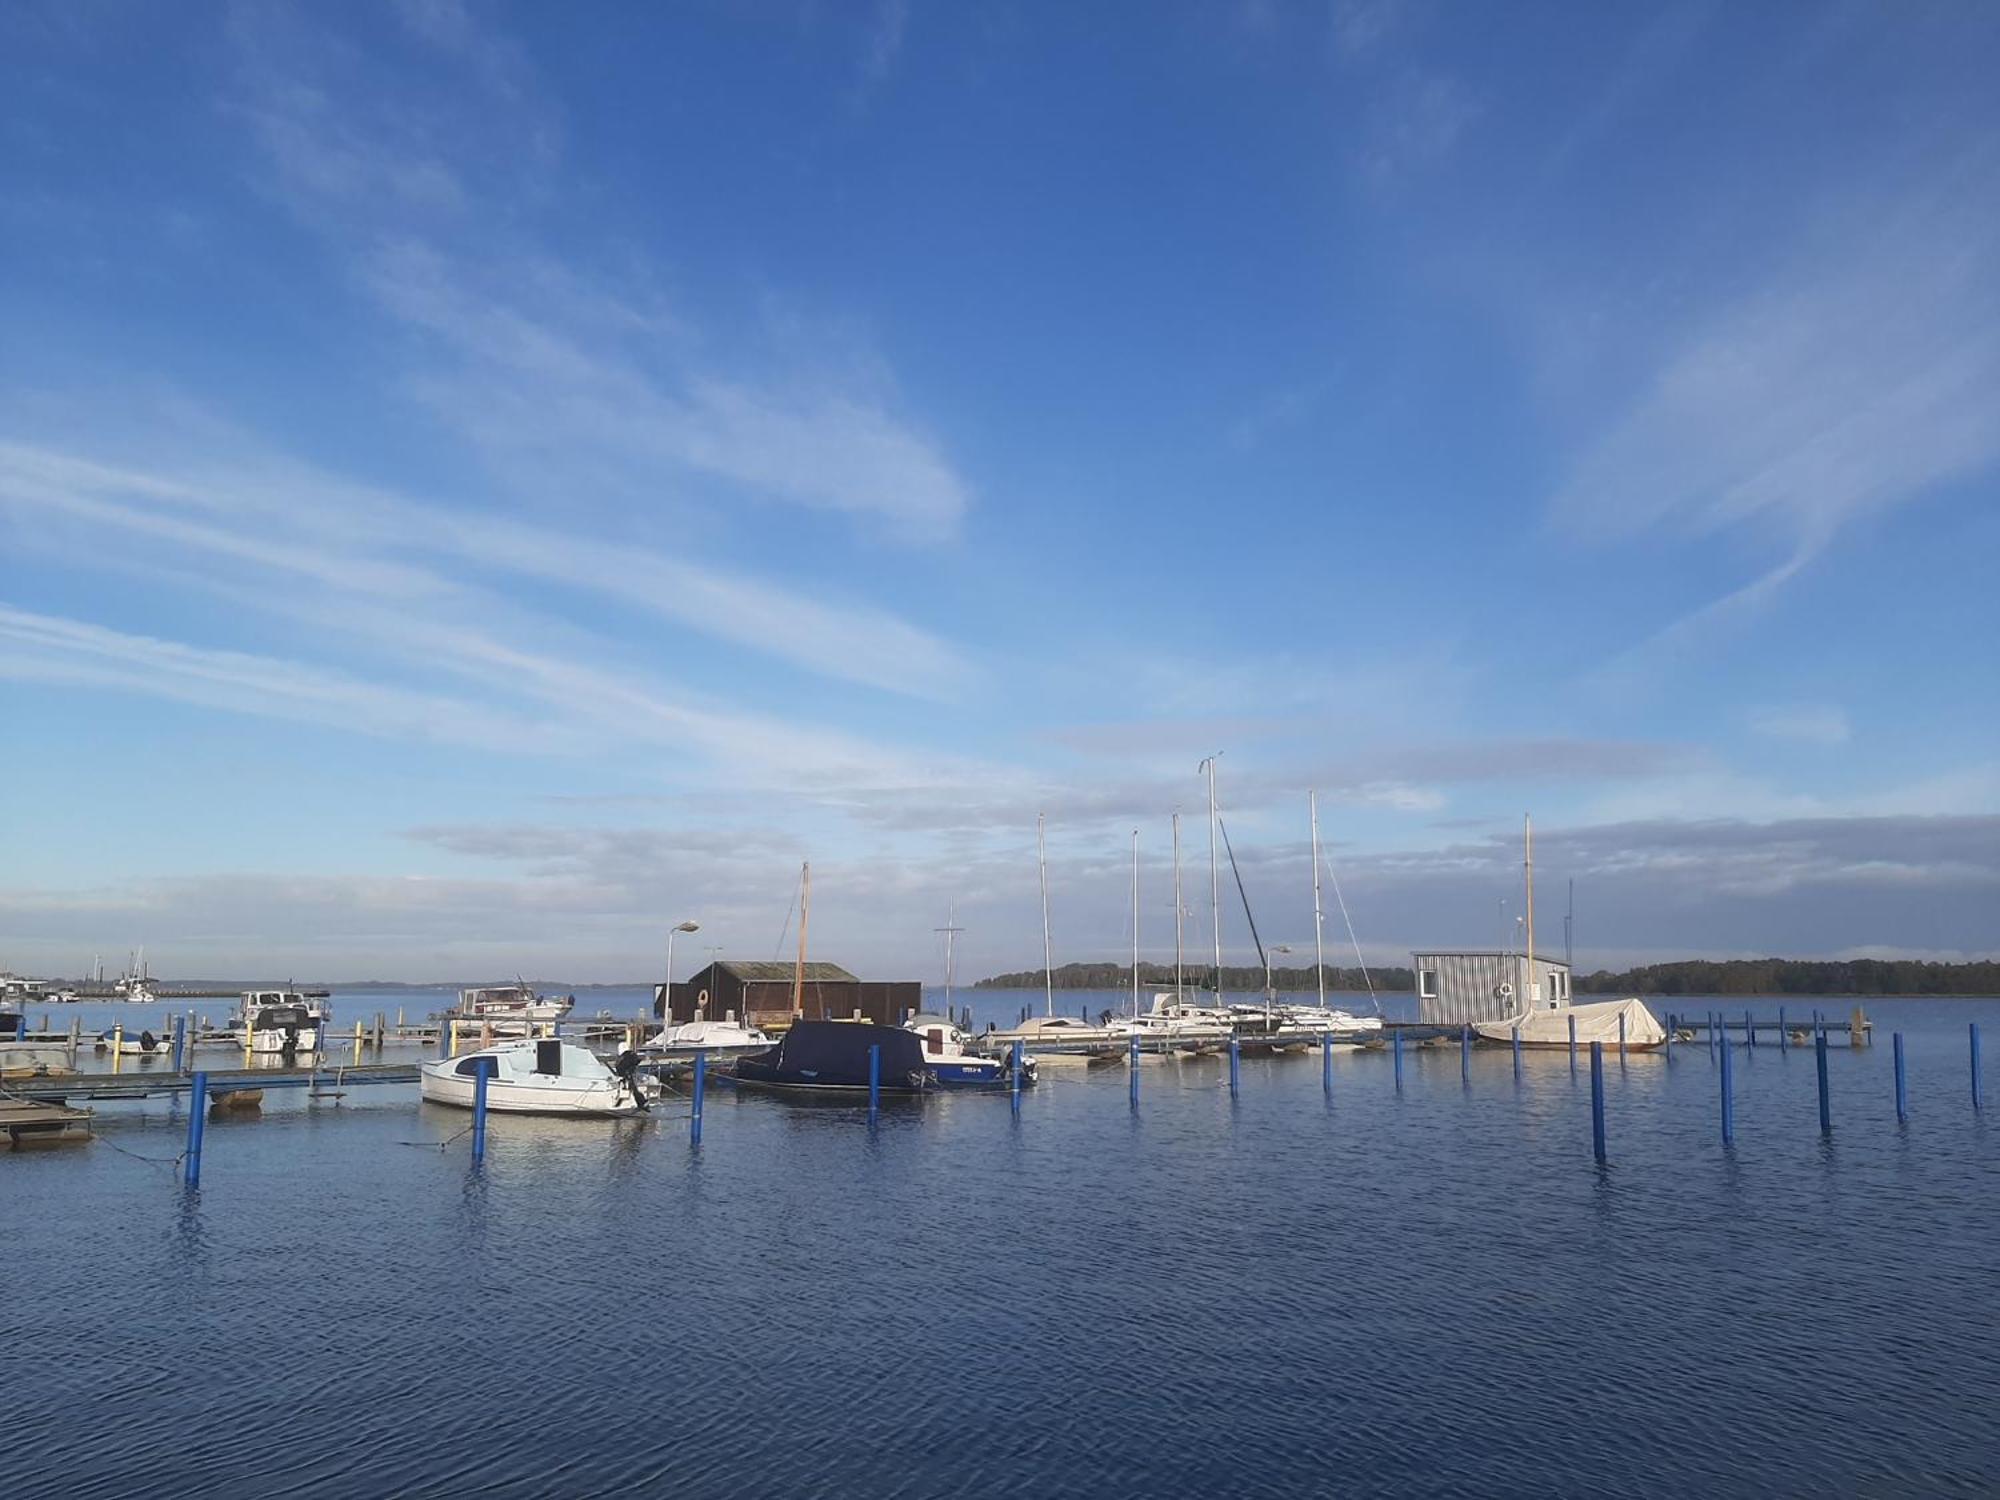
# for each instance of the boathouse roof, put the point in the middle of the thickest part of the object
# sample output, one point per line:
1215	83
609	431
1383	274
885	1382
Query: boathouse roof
760	971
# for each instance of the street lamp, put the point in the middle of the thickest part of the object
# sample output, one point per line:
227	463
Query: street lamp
667	989
1269	993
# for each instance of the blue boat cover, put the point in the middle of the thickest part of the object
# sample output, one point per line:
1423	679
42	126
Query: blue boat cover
834	1054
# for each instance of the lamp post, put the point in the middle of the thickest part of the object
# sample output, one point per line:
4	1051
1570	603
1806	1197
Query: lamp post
667	989
1269	993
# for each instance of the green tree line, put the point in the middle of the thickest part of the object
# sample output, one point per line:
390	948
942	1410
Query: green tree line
1798	976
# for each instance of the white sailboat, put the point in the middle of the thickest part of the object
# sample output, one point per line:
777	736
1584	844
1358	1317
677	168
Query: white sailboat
1343	1027
1546	1021
1172	1024
1050	1035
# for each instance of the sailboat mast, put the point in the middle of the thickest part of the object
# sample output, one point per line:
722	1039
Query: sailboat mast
1135	924
1177	908
1214	879
950	932
1048	955
1319	944
805	918
1528	863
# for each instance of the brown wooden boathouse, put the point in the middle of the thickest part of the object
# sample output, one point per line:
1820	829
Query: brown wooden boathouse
761	993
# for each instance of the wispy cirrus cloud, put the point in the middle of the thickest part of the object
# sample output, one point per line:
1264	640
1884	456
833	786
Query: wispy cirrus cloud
556	370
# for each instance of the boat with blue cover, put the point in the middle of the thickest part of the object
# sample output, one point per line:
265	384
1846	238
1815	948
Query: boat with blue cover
831	1057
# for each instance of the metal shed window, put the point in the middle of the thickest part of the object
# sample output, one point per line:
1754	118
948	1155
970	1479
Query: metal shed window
1427	984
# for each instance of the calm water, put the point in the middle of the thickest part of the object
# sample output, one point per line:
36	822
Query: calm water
1436	1292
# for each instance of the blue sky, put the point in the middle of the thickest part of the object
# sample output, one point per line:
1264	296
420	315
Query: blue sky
479	484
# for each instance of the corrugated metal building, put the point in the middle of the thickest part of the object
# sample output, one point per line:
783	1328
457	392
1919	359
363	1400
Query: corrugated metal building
761	993
1453	988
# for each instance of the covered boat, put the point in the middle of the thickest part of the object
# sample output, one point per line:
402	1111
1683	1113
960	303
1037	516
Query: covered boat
1549	1026
691	1037
1062	1036
832	1057
537	1076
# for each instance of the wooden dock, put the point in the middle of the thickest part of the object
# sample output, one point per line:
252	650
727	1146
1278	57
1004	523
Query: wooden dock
35	1122
138	1084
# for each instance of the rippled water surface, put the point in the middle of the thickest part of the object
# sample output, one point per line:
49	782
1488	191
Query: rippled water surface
1296	1290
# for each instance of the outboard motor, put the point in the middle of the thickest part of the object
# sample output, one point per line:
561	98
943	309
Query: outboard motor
148	1040
627	1069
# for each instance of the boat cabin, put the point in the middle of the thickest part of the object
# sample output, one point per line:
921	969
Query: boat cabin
1456	989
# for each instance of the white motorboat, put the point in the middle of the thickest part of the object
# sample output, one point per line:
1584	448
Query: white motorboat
690	1037
1052	1037
278	1022
511	1009
948	1056
535	1076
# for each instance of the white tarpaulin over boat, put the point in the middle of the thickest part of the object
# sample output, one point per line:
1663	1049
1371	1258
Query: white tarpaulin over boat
1595	1022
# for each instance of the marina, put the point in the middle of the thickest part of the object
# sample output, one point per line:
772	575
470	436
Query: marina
1349	1233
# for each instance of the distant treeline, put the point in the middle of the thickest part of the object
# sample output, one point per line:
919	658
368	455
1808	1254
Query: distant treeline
1798	976
1119	976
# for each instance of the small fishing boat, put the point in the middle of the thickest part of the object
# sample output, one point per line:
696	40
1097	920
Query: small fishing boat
832	1057
947	1054
137	986
511	1009
143	1044
282	1023
537	1076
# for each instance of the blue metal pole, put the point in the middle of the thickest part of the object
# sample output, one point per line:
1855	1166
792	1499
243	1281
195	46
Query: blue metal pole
1572	1045
874	1081
1668	1046
1015	1087
1326	1061
1978	1099
700	1088
1825	1108
1728	1102
1517	1052
1597	1100
480	1072
197	1118
1902	1085
1708	1025
1235	1057
1397	1045
1464	1053
1621	1038
180	1042
1135	1069
1784	1042
1749	1031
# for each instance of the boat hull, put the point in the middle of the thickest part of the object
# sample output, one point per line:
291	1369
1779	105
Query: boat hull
588	1097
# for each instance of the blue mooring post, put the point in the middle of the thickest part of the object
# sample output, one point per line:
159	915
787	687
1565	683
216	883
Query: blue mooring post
481	1070
1825	1109
1667	1047
1326	1061
1784	1045
874	1082
1621	1038
1902	1085
1135	1070
1978	1099
180	1042
1517	1053
1749	1030
1464	1053
1597	1101
700	1088
1235	1071
1708	1025
1572	1046
1728	1102
1397	1047
1014	1090
197	1117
